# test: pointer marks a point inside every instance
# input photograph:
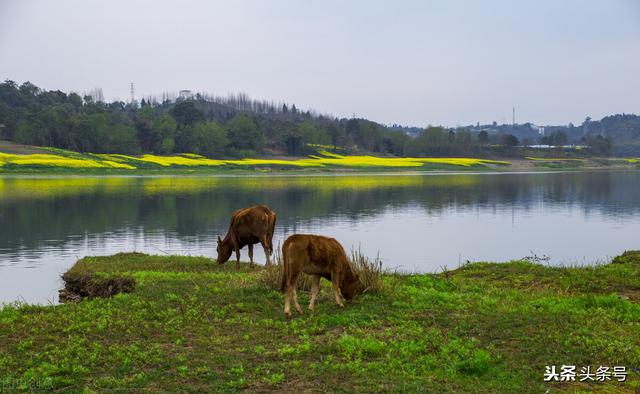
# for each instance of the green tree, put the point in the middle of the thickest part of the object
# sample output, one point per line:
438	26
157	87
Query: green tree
431	141
509	140
209	139
599	145
244	134
149	137
186	114
393	141
91	132
122	139
336	134
557	138
311	134
166	126
483	137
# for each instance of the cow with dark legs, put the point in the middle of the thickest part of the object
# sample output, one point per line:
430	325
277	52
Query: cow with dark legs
248	226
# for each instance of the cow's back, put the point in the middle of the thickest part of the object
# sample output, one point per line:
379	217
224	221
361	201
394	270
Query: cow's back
319	252
254	220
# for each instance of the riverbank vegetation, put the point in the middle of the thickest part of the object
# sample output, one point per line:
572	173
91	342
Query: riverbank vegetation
32	160
192	325
59	160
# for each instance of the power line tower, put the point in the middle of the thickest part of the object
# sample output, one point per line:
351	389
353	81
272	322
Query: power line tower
513	116
133	98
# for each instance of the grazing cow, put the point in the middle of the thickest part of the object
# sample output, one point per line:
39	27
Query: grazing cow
319	257
248	226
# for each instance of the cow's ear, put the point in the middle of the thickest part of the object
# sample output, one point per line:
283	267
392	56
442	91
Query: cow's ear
219	240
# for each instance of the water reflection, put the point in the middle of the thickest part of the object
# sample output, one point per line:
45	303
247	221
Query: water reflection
417	222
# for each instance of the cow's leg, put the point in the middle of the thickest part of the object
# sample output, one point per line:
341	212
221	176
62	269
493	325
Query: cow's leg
250	255
315	289
237	258
335	281
295	299
267	249
287	301
289	293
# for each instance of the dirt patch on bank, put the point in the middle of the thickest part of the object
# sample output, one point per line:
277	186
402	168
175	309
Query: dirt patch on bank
78	286
18	149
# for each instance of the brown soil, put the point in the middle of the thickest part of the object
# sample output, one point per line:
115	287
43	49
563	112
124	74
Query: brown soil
18	149
87	285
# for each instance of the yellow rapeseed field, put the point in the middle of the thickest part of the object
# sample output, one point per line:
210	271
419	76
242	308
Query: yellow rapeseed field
167	161
118	165
273	162
63	159
372	161
49	161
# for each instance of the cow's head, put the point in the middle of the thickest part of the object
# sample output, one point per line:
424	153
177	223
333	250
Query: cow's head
351	286
224	250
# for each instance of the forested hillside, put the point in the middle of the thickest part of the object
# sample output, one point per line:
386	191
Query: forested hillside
236	126
231	126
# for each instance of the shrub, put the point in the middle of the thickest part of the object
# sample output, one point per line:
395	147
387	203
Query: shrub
629	256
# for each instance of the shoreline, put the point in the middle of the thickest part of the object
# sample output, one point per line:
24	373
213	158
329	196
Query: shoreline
514	167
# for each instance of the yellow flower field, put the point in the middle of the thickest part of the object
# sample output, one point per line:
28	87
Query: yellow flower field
324	159
45	160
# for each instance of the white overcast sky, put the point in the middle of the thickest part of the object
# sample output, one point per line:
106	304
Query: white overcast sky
408	62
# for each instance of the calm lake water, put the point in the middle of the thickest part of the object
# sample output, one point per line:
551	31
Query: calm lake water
415	222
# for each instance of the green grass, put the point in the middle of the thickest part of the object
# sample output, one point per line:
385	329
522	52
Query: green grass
193	325
558	163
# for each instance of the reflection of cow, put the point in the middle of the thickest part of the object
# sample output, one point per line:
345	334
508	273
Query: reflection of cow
317	256
248	226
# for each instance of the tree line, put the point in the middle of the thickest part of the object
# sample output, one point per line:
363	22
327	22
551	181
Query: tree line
233	126
215	126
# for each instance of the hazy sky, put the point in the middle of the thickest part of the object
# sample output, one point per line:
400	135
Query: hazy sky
408	62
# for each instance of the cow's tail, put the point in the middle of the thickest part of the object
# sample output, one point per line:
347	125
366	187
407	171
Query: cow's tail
286	267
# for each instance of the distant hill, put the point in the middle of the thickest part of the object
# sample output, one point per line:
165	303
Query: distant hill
622	129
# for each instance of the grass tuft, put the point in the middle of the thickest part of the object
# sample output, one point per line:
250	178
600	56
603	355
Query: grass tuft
369	271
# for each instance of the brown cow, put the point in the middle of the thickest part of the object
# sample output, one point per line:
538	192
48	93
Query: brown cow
317	256
248	226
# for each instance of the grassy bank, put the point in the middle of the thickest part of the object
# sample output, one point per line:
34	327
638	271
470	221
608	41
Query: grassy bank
58	162
192	325
562	163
